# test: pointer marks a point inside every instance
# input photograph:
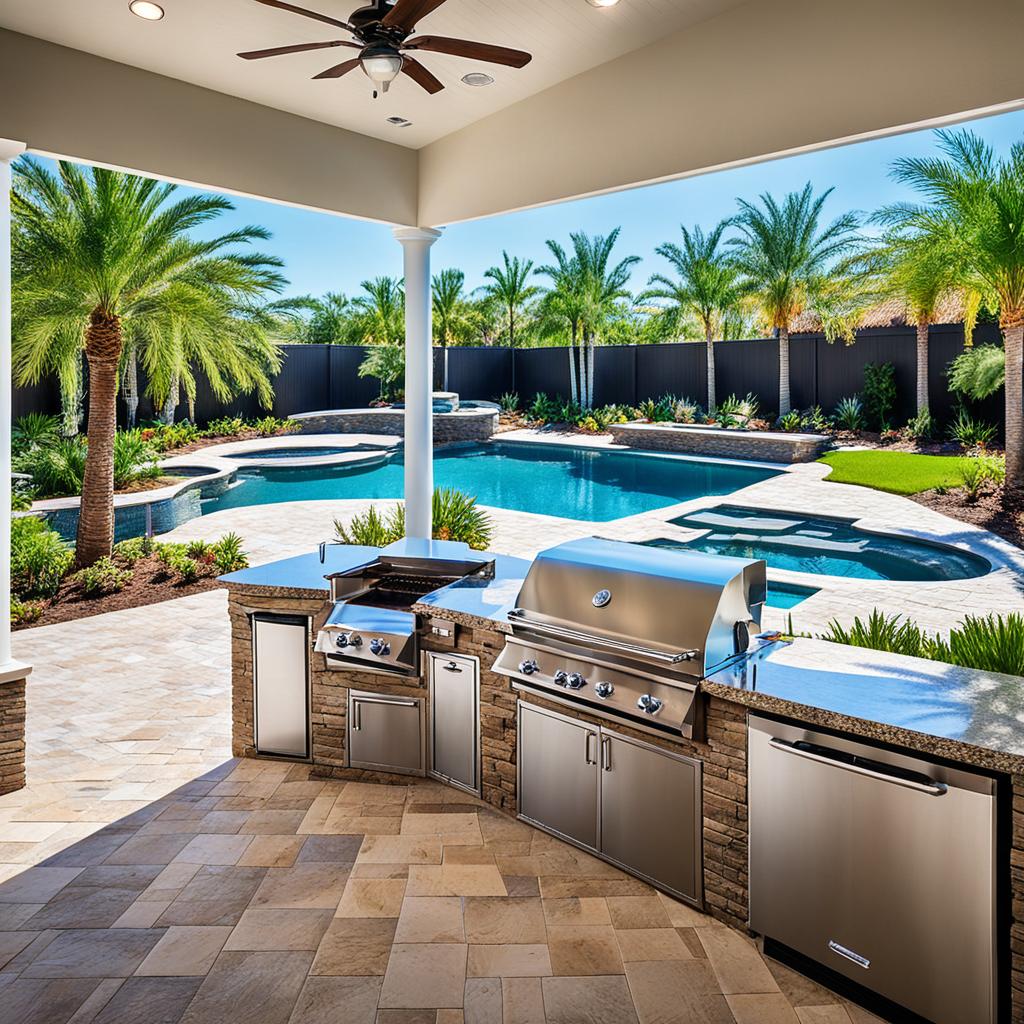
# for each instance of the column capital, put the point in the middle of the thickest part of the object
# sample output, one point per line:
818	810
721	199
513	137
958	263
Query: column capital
427	235
11	150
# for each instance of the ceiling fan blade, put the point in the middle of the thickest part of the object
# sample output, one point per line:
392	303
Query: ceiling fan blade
476	51
306	14
339	69
420	75
278	51
406	13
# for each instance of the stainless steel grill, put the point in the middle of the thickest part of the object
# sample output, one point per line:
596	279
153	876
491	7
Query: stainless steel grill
631	630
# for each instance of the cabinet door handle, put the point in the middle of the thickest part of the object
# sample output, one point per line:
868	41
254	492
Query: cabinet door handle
586	750
452	667
357	723
606	753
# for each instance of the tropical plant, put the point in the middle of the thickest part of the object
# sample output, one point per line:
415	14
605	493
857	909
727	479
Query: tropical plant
133	549
707	287
387	364
134	458
791	423
33	429
543	409
509	289
39	558
456	517
979	371
971	432
228	553
454	318
975	473
921	426
686	410
57	468
974	215
814	420
226	426
735	412
326	321
509	402
99	256
104	576
378	315
879	393
849	414
994	643
789	264
25	612
882	632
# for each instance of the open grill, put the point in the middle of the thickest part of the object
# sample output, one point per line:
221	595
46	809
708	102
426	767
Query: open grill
631	630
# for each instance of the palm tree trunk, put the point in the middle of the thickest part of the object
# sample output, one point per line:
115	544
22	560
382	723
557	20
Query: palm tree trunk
572	366
784	402
71	398
922	367
131	387
1013	343
444	364
512	342
590	373
96	514
710	340
170	402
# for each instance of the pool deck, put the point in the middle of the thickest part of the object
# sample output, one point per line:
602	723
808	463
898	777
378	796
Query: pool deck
277	531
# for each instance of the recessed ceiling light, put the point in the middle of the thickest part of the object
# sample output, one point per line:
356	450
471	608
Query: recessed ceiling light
147	10
602	3
400	122
477	79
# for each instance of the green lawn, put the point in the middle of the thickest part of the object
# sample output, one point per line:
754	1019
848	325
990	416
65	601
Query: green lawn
898	472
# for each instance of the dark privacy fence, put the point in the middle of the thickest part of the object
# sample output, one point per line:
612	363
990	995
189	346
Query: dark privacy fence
324	376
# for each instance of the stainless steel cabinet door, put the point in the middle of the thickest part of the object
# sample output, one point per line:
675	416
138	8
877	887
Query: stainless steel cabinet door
558	774
385	733
649	813
281	684
882	875
455	720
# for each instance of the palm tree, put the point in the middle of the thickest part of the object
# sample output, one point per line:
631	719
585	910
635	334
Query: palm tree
327	319
708	286
562	306
379	314
99	255
454	319
788	263
974	215
509	287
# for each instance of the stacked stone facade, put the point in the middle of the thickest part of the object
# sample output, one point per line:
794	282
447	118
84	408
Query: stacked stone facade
12	736
754	445
464	425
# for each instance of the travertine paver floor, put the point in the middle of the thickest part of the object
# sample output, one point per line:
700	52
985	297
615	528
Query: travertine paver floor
148	877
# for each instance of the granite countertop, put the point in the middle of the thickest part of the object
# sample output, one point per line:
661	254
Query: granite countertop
487	599
943	709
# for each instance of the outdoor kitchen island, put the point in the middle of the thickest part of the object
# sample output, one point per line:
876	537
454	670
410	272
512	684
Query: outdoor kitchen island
945	746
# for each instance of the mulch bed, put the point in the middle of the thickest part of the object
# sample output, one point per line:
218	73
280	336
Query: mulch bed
1003	516
208	442
150	584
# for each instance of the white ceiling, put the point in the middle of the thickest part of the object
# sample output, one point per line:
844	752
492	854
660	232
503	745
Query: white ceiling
198	39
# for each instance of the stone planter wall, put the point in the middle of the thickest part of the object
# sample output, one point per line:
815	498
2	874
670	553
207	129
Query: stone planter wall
12	735
714	442
464	425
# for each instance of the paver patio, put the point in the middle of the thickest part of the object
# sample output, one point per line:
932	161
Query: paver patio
148	876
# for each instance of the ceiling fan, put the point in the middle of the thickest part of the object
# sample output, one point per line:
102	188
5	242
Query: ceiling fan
382	33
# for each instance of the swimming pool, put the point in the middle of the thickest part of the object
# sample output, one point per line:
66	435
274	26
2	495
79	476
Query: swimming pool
554	480
287	453
831	547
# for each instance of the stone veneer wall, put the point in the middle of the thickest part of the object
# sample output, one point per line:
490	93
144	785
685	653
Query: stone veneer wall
755	445
12	736
1017	902
465	425
723	753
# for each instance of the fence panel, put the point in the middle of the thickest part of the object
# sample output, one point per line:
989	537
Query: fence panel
483	373
671	369
749	367
615	370
542	369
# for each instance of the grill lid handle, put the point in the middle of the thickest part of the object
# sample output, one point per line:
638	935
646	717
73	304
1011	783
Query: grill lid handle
622	646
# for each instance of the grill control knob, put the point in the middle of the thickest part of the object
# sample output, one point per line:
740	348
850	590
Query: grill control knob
560	678
380	647
649	704
575	681
528	667
342	640
355	640
604	690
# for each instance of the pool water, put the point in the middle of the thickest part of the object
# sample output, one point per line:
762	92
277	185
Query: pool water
554	480
831	547
287	453
788	595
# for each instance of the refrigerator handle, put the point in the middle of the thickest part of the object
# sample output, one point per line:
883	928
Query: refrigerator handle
927	786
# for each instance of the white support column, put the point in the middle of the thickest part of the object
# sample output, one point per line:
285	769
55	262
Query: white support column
9	151
419	381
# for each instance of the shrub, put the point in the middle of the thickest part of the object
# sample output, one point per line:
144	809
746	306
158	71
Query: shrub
39	558
879	393
21	495
791	423
228	554
991	644
971	432
849	414
977	472
134	459
543	409
882	633
131	550
509	402
814	420
24	612
104	576
686	410
268	426
199	549
176	559
56	468
387	364
226	426
736	412
167	436
33	429
456	517
921	427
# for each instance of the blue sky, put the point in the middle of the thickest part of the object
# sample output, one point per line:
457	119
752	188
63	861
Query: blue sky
327	253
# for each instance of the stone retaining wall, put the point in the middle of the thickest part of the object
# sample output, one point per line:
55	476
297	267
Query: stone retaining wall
752	445
465	425
12	736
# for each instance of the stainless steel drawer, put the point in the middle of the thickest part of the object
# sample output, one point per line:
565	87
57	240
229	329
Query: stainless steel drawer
386	733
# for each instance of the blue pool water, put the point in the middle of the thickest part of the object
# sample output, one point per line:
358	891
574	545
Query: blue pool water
287	453
787	595
830	547
550	479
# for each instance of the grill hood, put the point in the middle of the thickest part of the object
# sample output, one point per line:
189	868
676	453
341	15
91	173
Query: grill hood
682	609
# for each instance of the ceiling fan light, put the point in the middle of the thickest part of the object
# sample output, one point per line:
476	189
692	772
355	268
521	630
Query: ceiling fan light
381	65
146	10
602	3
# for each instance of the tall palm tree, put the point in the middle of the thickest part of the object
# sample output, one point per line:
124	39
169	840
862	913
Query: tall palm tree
563	306
454	318
327	319
98	255
974	214
379	313
708	286
788	262
509	287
